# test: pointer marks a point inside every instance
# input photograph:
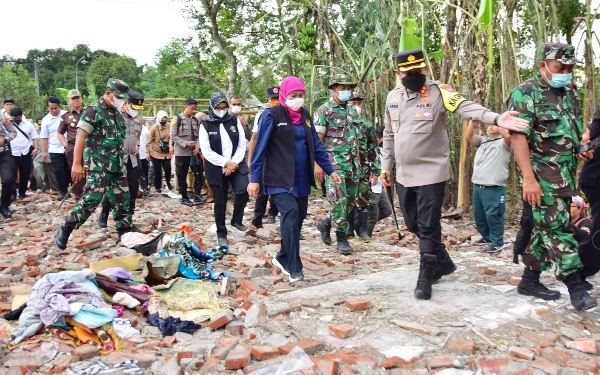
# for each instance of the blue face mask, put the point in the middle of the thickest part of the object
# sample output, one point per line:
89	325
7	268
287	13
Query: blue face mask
559	80
344	96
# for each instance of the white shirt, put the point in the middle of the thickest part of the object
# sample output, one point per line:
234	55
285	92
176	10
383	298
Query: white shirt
377	188
226	147
256	119
50	131
20	145
143	140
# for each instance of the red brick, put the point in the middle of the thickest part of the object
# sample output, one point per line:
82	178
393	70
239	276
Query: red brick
546	366
583	365
439	362
88	244
181	355
326	366
169	341
309	345
587	345
556	355
521	353
342	331
37	252
393	362
264	352
495	365
64	361
522	372
238	358
462	347
209	365
235	328
86	352
5	306
249	286
348	357
310	304
226	345
358	304
221	319
537	340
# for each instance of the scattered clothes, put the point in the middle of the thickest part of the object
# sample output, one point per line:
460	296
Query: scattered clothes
15	314
29	323
128	367
124	329
35	356
119	310
195	263
118	274
159	270
133	239
150	247
129	263
92	317
54	300
170	325
186	299
82	278
142	288
111	286
104	337
125	299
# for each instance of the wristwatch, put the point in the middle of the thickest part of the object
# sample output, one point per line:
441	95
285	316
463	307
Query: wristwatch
496	120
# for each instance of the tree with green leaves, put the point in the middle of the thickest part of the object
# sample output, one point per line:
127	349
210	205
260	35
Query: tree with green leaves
105	67
16	83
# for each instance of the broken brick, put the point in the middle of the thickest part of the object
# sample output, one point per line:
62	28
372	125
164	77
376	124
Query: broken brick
439	362
587	345
342	331
238	358
326	366
462	347
521	353
264	352
358	304
309	345
546	366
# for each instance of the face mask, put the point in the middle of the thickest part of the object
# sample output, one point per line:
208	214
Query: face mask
220	112
558	80
132	112
414	82
358	109
163	123
117	103
344	96
295	104
236	109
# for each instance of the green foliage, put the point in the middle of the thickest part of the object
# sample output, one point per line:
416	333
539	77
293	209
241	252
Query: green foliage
105	67
16	83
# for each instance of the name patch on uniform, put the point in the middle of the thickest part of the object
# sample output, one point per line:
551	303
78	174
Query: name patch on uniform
213	133
394	106
282	124
451	98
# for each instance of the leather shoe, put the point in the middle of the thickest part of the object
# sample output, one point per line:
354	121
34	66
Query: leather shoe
240	227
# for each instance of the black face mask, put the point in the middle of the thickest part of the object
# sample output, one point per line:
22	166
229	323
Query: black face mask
380	145
163	123
414	82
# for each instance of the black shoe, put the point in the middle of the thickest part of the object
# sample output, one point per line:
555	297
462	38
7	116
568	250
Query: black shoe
324	226
481	242
444	266
239	226
493	249
222	241
158	191
530	286
271	219
588	285
186	202
22	197
61	237
342	243
362	229
6	212
199	199
257	222
423	289
103	219
146	193
580	299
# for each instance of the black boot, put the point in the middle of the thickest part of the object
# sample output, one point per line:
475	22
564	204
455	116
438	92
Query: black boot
199	199
530	286
103	218
61	237
324	226
588	285
362	229
351	225
342	243
580	299
257	222
444	266
423	289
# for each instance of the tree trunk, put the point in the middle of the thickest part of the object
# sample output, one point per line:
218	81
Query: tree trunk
590	84
449	42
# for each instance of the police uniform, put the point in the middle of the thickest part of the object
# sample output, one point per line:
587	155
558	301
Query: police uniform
133	130
553	137
416	139
104	160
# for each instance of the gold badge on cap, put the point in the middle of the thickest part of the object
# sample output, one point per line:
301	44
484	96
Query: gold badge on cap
410	58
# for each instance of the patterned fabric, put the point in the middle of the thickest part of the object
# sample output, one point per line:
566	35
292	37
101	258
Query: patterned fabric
195	263
563	53
342	198
54	300
370	163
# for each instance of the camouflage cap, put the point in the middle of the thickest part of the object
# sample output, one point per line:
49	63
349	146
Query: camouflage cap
341	79
119	87
357	95
563	53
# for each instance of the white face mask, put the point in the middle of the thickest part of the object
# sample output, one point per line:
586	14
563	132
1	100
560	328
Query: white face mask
220	112
117	103
295	104
358	109
236	109
132	112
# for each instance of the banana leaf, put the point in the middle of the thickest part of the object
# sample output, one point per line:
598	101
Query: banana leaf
410	35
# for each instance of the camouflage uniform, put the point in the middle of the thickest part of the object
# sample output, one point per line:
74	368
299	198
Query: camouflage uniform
553	138
370	164
104	159
339	124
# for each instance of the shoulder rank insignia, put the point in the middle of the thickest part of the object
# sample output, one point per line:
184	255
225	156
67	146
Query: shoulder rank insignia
451	98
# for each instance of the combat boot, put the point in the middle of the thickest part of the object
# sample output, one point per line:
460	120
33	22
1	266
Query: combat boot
342	243
324	226
588	285
423	289
351	224
444	266
362	229
103	218
61	237
530	286
580	299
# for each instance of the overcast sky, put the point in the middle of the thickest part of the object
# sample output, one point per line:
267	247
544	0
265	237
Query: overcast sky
136	28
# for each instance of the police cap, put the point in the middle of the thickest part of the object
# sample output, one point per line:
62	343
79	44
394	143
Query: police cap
273	92
411	59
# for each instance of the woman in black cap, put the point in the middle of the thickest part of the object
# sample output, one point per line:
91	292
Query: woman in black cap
224	152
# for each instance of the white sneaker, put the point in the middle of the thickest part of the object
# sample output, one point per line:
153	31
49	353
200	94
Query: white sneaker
173	195
280	266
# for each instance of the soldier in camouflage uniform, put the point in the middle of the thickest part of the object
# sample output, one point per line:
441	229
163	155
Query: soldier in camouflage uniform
336	123
370	167
547	157
100	138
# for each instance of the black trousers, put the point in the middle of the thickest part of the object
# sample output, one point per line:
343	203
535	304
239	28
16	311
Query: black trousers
7	175
134	186
143	166
422	209
23	164
239	182
62	171
589	249
159	165
293	212
525	231
260	207
379	209
182	165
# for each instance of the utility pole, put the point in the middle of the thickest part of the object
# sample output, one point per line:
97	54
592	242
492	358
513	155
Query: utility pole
36	75
77	72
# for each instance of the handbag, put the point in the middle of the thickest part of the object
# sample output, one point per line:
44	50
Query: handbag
164	146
